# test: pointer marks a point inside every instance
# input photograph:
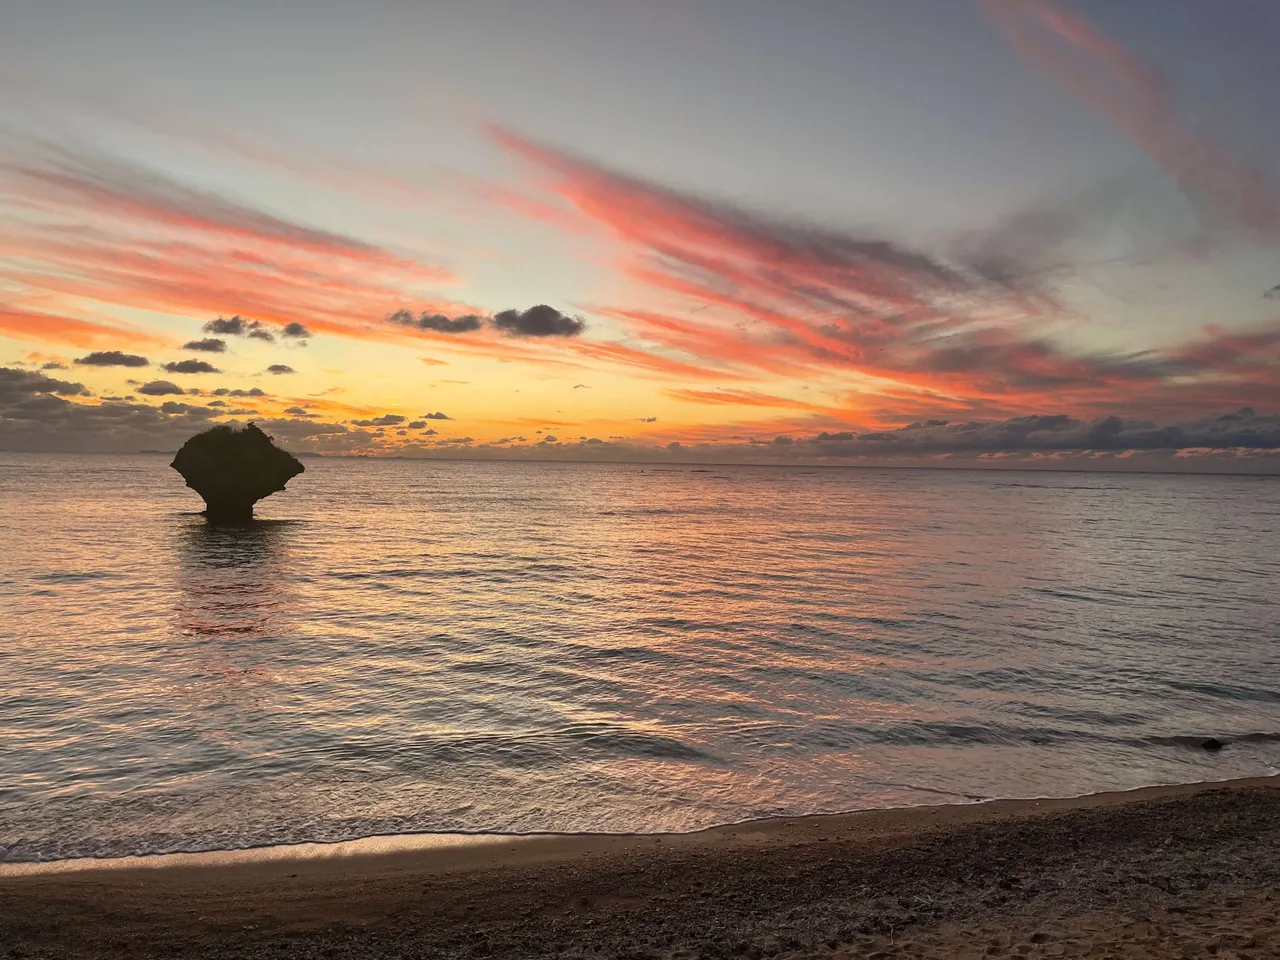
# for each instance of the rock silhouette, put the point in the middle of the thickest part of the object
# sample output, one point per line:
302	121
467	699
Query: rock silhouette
234	469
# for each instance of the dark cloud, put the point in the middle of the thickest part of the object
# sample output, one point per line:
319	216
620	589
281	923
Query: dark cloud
160	388
238	326
112	358
295	331
1056	434
35	416
173	407
430	433
298	412
191	366
581	386
1273	293
539	321
235	326
417	425
226	392
17	385
386	420
280	368
438	322
207	345
53	365
436	416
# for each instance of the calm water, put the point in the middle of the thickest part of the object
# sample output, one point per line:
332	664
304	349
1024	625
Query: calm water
415	646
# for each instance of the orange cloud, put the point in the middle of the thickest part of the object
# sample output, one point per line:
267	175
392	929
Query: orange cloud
109	233
746	398
766	299
52	328
324	405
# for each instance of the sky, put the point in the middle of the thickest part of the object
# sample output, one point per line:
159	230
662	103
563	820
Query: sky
938	232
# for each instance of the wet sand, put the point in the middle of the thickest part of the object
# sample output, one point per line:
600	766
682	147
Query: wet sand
1164	872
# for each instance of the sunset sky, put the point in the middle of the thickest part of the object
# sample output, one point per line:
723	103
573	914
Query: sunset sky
829	231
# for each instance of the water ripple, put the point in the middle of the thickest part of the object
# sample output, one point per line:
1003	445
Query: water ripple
410	646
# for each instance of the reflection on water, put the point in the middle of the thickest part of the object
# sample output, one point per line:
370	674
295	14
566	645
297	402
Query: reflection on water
469	646
233	602
233	580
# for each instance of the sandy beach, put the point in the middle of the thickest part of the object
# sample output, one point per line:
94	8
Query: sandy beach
1185	871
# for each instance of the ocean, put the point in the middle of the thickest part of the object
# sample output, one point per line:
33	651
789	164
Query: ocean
446	646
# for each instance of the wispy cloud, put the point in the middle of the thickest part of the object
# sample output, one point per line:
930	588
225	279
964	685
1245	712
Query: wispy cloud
1140	103
901	331
87	231
45	327
751	398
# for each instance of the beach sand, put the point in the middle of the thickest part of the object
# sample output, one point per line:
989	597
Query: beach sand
1190	871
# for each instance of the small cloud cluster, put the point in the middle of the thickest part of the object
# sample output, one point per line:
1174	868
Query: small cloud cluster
160	388
278	368
35	415
191	366
436	416
386	420
226	392
438	322
112	358
538	321
238	326
207	345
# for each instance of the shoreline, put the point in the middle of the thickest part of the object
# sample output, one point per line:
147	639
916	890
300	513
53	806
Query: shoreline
1134	874
464	850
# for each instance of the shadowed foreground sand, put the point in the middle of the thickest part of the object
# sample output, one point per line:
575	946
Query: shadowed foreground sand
1166	872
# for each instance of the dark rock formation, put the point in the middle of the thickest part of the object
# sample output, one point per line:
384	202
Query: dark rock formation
234	469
